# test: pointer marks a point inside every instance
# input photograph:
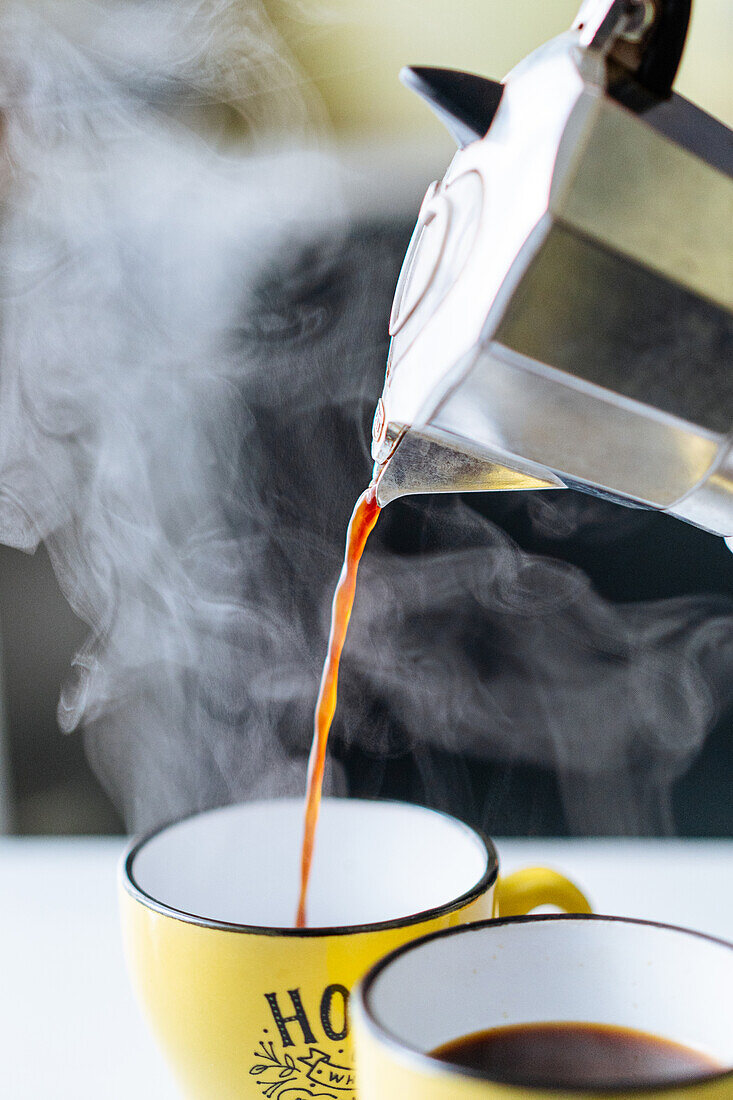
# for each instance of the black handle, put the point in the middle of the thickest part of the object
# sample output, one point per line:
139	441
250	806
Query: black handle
663	51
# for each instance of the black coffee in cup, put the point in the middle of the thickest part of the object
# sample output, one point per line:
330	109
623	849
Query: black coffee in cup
575	1055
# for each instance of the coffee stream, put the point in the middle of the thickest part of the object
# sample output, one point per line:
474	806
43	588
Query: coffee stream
363	518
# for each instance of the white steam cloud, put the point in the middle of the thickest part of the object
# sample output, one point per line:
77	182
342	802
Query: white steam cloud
130	244
192	342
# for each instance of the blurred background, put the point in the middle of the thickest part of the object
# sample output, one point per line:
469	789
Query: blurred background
344	56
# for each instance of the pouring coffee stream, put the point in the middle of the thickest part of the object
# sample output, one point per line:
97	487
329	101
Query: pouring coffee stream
365	515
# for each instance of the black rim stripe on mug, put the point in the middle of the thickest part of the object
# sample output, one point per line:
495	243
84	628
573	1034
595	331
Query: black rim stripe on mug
419	1060
486	881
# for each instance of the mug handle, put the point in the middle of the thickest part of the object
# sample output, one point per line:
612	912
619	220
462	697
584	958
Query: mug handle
524	890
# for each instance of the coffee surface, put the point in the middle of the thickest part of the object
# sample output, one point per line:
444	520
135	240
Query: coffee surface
575	1055
365	515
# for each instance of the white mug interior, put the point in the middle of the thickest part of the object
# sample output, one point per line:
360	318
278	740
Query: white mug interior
667	981
375	862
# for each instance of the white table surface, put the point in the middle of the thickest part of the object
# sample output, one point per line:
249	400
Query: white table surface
70	1029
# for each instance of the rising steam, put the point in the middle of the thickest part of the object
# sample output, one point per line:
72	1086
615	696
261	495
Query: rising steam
192	344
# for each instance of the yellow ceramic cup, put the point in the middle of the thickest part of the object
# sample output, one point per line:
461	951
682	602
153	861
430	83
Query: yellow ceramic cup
654	978
244	1005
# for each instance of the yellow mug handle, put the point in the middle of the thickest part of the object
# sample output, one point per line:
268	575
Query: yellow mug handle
524	890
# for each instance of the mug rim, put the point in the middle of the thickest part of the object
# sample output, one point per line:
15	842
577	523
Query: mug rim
136	892
419	1060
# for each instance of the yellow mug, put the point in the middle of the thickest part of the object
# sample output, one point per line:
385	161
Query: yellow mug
666	982
243	1004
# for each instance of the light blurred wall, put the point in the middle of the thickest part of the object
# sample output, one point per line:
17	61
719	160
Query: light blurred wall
354	50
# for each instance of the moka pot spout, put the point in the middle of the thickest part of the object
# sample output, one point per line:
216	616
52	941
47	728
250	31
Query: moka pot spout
419	464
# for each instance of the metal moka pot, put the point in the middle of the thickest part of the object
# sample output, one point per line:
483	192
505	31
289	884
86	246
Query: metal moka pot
564	314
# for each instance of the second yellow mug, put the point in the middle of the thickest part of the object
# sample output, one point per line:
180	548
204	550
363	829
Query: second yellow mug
243	1004
671	985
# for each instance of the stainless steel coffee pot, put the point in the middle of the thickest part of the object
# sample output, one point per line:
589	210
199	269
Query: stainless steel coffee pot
564	314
